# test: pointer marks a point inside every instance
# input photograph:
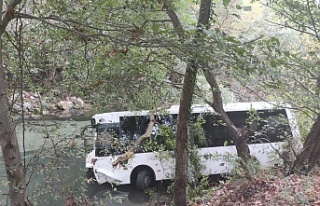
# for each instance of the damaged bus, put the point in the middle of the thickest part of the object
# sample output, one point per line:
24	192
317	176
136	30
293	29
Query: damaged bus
116	132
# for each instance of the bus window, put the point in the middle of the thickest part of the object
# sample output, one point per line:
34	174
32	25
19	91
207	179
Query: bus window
267	126
163	130
133	127
215	131
271	126
112	128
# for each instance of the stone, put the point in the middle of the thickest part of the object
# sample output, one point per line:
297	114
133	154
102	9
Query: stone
45	112
77	102
64	105
28	106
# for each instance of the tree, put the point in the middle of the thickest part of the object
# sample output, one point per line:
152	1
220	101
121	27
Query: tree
181	148
9	145
239	135
117	61
113	70
303	17
127	54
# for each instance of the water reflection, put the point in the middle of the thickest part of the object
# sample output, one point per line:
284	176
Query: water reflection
122	195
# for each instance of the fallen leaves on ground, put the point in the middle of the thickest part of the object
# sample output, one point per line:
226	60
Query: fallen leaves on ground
266	190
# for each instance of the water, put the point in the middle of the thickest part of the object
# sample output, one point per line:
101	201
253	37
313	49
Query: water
56	160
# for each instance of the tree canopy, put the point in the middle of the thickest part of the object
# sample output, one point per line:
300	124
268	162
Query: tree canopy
137	54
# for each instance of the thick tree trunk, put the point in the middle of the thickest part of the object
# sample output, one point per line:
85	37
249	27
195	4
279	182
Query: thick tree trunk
239	136
10	148
8	139
180	182
310	154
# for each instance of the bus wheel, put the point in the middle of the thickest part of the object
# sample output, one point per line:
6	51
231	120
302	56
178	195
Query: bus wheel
144	180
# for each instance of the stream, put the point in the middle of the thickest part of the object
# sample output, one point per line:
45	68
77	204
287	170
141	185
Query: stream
52	179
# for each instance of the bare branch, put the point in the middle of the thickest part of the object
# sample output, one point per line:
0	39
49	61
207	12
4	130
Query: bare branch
291	27
10	14
291	17
313	21
174	17
101	33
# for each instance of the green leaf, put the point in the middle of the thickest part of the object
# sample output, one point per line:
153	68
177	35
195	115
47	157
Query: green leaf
155	27
236	15
273	63
287	53
276	40
226	2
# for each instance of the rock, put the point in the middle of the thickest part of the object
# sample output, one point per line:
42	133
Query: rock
50	106
36	95
17	108
77	102
47	104
35	116
25	94
45	112
64	105
28	106
35	104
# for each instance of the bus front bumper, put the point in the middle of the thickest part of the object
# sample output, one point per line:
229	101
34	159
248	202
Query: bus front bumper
103	176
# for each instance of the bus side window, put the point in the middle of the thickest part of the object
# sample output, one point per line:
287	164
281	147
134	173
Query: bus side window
275	125
128	127
143	123
216	132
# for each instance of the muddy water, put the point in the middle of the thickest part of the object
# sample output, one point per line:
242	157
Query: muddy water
51	185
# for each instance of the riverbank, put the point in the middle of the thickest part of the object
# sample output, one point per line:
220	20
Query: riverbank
35	106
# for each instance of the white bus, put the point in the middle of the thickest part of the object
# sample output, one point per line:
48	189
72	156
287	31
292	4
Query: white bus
269	127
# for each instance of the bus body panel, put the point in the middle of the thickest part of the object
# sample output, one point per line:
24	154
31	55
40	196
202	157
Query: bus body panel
104	172
216	160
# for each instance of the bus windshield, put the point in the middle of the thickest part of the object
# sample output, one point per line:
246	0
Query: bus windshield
112	128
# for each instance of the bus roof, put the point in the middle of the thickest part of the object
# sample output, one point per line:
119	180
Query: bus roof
113	117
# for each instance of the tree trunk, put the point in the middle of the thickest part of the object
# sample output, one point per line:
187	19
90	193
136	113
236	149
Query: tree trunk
10	148
180	182
8	139
181	149
239	136
310	154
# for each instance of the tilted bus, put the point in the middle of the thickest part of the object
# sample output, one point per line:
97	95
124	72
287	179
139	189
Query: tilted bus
269	127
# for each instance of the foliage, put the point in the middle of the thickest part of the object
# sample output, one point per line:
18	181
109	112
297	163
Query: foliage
239	171
196	181
118	55
97	61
